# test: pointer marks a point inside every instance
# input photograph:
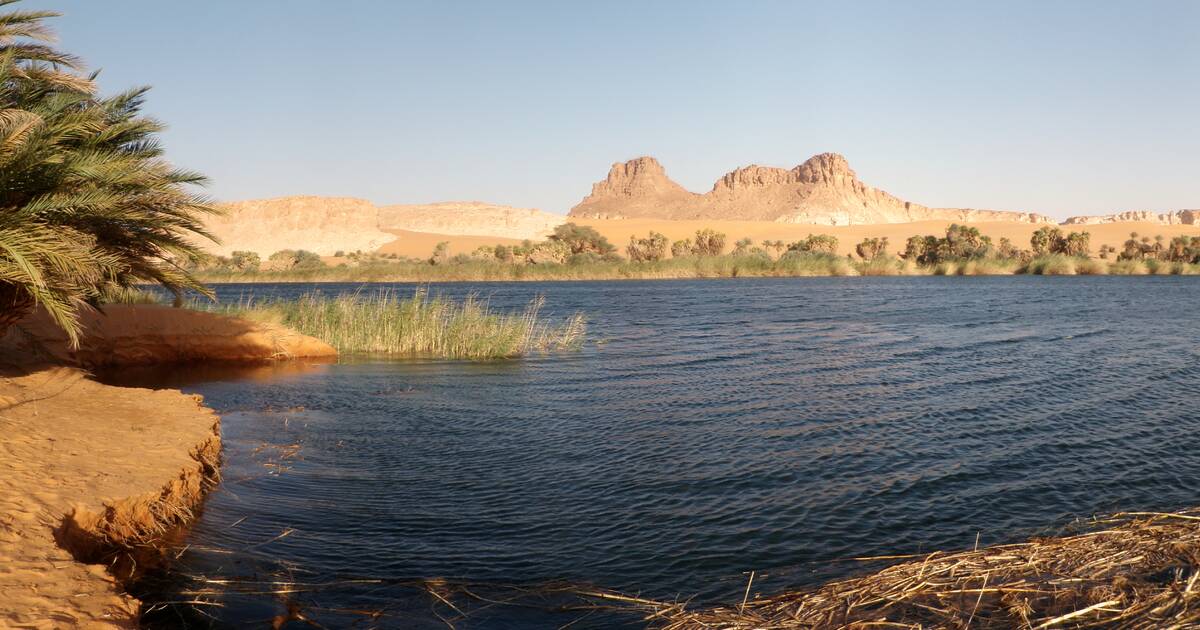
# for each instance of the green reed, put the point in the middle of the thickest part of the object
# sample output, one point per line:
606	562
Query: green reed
422	325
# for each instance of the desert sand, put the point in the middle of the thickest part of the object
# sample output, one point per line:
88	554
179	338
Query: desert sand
150	334
96	471
420	245
469	218
93	477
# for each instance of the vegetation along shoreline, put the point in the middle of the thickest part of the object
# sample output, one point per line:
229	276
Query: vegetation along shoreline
575	252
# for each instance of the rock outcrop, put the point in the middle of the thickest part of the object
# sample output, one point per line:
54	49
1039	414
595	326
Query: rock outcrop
823	190
472	218
1179	217
318	224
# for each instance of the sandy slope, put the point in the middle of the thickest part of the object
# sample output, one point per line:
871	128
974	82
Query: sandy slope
421	244
618	231
92	476
148	334
73	448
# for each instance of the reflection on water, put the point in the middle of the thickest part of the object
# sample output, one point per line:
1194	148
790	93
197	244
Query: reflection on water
779	425
188	374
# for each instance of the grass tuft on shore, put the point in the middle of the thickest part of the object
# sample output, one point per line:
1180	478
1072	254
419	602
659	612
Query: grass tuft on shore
421	325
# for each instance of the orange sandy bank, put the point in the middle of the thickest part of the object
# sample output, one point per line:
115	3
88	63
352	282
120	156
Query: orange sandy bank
148	334
98	470
419	245
92	477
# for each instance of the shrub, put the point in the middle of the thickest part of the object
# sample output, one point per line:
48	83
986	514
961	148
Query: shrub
872	248
582	238
246	262
708	243
441	253
648	249
548	252
743	247
680	249
818	244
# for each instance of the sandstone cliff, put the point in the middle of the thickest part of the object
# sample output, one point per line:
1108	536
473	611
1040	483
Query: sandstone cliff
470	218
319	224
1179	217
823	190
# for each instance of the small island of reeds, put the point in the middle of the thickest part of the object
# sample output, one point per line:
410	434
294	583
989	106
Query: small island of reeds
423	325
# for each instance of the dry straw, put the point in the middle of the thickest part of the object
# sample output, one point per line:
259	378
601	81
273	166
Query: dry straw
1140	570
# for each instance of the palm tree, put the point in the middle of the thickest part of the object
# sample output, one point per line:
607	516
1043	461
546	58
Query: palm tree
87	202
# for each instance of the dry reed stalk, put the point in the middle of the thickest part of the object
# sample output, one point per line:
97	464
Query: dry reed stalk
1140	571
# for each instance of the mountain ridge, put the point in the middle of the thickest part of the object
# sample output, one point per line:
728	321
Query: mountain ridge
822	190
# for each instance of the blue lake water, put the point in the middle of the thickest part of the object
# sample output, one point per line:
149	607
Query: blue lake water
707	429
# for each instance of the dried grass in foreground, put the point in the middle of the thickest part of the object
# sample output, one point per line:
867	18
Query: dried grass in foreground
422	325
1140	571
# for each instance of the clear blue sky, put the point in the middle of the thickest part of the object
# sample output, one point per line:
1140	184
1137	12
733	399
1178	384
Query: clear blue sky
1059	107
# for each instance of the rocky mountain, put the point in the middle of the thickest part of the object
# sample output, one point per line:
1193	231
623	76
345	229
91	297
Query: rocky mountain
1179	217
473	218
319	224
823	190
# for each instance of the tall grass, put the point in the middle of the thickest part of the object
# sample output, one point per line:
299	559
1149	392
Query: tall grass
1052	265
421	325
813	264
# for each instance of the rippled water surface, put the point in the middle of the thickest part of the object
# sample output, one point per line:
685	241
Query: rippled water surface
709	428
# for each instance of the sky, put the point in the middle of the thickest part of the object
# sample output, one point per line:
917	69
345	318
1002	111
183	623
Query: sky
1059	107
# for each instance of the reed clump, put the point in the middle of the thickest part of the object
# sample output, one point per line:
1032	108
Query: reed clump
1132	570
422	325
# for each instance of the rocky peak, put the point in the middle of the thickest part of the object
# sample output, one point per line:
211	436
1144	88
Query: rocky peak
825	168
638	177
753	176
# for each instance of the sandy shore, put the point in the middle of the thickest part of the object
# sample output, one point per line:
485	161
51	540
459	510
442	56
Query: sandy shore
618	231
94	472
93	477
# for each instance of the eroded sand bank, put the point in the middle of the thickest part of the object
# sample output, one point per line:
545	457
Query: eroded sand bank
92	477
98	470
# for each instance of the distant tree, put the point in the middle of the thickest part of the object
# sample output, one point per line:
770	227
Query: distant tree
1045	240
1077	244
308	260
245	261
872	248
708	243
1006	250
548	252
441	253
582	238
817	244
296	259
742	247
774	246
680	249
647	249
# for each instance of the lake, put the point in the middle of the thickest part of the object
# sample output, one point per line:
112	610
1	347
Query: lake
707	429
